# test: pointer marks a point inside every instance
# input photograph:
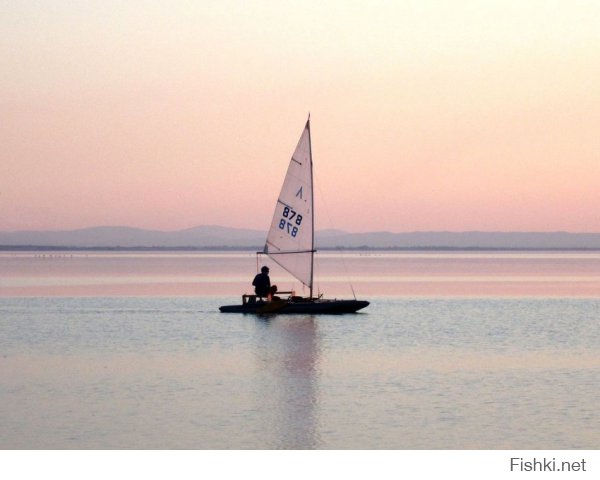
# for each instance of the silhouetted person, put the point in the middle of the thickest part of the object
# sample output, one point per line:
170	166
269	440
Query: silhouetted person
262	283
272	292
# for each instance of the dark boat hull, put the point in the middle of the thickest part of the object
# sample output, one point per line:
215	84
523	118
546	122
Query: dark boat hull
307	307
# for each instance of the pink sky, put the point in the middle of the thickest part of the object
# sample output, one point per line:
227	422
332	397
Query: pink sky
426	115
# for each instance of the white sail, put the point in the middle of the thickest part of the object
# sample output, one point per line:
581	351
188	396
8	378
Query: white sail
290	241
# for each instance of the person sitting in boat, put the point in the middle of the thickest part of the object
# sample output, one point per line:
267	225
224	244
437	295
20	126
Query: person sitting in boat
262	283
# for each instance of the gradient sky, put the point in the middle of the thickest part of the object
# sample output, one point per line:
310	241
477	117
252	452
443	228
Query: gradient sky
426	115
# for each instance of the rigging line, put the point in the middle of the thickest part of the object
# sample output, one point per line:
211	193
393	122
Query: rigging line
336	248
282	252
285	252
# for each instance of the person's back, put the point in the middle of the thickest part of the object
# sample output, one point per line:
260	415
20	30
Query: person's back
262	283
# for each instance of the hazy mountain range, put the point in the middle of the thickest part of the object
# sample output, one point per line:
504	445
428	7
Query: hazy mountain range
224	237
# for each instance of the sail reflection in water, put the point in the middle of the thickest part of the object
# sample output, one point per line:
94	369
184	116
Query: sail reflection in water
288	355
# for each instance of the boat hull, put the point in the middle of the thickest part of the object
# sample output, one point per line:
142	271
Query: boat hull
333	307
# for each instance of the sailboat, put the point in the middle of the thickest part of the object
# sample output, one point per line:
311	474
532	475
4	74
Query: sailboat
291	242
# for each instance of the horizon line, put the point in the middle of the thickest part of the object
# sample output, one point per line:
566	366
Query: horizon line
225	248
319	230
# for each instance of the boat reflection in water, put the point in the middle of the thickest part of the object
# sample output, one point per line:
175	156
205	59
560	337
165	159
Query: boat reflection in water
288	359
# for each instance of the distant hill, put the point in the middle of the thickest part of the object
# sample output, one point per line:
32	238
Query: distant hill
212	236
209	236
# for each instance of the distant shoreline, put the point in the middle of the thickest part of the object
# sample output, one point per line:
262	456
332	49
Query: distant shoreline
209	238
50	248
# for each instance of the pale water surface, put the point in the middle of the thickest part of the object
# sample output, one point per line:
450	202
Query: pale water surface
457	350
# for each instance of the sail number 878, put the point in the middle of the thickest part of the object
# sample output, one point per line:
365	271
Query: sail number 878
291	217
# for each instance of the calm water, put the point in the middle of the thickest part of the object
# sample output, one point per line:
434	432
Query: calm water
457	350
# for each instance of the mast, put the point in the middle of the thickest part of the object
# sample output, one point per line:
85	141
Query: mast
312	211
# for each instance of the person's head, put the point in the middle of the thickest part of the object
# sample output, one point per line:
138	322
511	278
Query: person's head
265	269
